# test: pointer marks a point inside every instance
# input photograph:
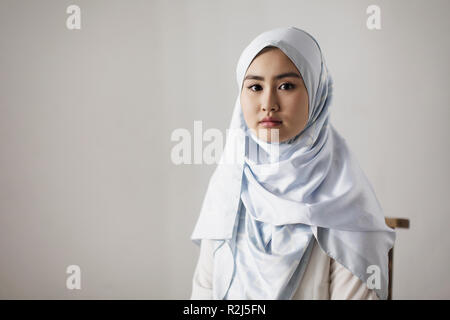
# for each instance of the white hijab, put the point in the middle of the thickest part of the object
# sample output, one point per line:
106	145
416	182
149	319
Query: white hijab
316	182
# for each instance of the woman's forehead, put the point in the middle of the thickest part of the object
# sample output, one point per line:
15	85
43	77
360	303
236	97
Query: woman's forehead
272	61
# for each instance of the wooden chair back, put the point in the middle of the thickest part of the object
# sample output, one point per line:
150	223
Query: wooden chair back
394	223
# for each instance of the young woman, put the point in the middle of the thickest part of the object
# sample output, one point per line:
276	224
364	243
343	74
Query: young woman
297	219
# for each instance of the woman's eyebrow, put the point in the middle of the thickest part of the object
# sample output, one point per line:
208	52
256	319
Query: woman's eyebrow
280	76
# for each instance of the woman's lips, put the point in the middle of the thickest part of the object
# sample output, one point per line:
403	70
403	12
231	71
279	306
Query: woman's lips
270	124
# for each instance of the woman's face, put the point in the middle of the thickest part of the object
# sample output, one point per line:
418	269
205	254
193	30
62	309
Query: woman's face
273	88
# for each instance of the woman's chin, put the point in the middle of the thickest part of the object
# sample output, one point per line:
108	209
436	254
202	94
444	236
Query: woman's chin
272	139
269	134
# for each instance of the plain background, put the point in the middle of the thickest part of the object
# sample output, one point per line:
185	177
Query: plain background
86	118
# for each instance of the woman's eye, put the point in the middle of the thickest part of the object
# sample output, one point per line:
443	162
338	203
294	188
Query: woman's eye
255	87
287	86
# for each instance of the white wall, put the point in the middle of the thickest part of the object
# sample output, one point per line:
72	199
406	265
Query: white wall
86	118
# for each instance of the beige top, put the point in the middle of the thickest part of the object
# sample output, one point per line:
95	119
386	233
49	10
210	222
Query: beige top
324	278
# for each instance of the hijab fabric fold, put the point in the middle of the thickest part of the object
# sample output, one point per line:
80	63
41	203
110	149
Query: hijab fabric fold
266	208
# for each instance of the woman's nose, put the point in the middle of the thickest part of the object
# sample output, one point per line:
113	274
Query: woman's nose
273	108
270	102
